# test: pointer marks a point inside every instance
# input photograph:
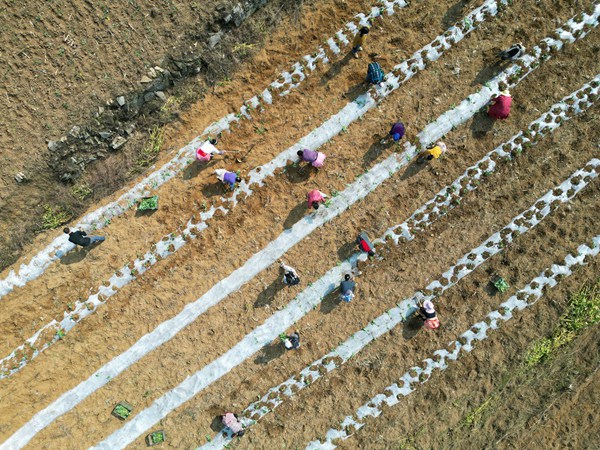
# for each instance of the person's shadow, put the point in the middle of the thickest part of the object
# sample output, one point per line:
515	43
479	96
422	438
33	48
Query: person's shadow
213	189
357	90
195	168
453	13
375	149
490	69
74	256
413	168
296	214
347	250
336	68
270	352
412	326
330	302
481	124
217	424
267	295
298	172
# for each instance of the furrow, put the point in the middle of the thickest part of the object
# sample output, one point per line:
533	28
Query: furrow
169	244
404	309
286	82
478	332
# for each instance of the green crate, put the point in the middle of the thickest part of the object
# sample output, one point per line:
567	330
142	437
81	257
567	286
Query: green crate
122	410
155	437
500	284
148	203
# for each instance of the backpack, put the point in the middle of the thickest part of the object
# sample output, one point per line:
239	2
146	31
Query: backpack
347	297
291	280
374	73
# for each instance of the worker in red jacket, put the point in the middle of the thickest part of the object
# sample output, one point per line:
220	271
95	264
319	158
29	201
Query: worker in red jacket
364	243
500	106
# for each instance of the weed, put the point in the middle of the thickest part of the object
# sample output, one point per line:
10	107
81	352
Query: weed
476	415
82	191
55	216
583	312
149	153
243	49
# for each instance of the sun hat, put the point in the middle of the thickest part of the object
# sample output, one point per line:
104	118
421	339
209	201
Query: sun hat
428	306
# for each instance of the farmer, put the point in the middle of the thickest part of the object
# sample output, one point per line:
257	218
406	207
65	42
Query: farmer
314	198
514	52
434	151
359	41
316	159
375	74
428	314
364	243
347	288
207	149
81	238
226	177
500	106
292	341
396	133
290	276
232	422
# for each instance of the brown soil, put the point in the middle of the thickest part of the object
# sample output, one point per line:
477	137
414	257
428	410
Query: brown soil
64	61
231	240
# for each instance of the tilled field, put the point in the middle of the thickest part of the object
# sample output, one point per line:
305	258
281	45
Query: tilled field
168	313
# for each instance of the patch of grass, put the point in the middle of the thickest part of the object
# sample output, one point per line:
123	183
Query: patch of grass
583	312
55	216
82	191
243	49
150	152
476	415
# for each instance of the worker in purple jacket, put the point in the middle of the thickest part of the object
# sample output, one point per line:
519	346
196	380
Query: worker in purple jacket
395	133
226	177
310	156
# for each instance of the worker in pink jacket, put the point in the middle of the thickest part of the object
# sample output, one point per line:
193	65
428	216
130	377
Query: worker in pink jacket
500	106
232	422
315	198
207	149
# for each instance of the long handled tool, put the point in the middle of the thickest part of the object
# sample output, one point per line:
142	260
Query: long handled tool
243	158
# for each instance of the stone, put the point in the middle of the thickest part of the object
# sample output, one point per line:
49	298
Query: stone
152	72
130	129
54	146
20	177
118	142
161	95
149	96
146	80
105	135
215	39
121	100
100	110
75	131
159	69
